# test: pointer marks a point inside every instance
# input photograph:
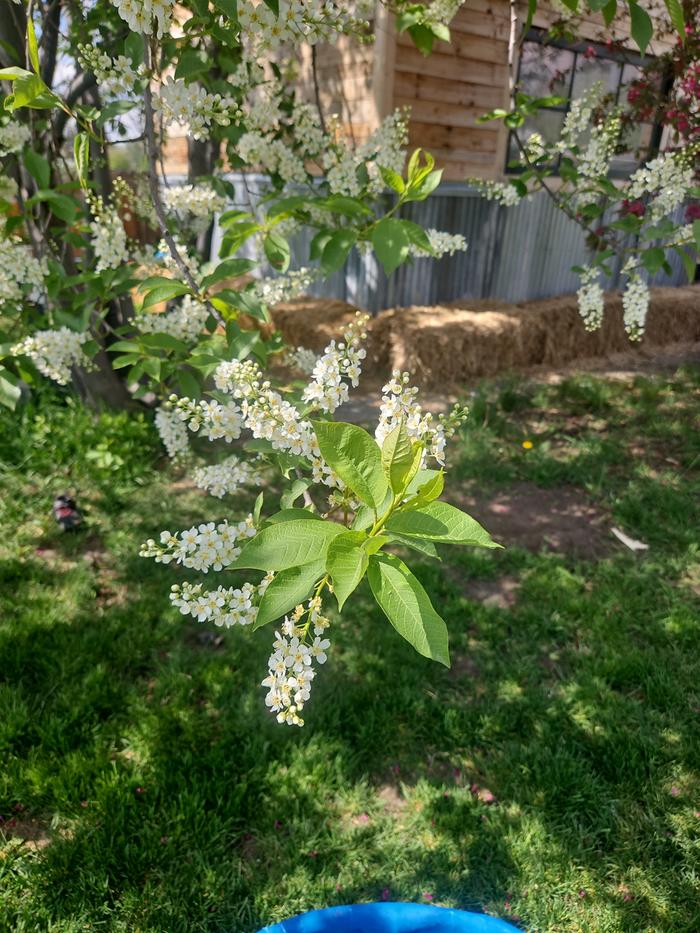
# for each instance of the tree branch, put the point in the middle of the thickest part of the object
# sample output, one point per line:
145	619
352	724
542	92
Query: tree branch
154	185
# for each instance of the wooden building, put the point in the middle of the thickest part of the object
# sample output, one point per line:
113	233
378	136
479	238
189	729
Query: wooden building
448	90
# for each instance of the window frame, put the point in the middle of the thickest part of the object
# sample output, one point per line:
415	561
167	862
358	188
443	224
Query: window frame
624	57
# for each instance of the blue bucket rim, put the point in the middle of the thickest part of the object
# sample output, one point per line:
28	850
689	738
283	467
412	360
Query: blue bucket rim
387	911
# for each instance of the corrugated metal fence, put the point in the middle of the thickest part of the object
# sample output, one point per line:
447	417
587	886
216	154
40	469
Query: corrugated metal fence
515	254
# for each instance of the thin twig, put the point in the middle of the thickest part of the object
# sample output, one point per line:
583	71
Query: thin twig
154	185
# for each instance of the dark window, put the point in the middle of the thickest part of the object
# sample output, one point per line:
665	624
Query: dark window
558	69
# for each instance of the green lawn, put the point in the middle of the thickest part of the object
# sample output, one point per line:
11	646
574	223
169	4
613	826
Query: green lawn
552	776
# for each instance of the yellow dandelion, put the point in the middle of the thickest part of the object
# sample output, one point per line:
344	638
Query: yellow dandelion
528	445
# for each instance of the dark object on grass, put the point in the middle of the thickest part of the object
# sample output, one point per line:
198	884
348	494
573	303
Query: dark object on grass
67	513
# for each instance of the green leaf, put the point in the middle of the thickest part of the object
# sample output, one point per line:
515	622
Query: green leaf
287	590
61	205
423	38
397	457
355	456
318	244
277	251
425	188
391	243
675	13
12	74
160	341
38	167
440	521
609	11
134	48
347	563
228	7
32	45
336	250
291	515
228	269
297	489
642	26
164	292
428	491
407	606
81	155
30	91
288	544
9	389
417	235
690	261
188	383
192	62
696	233
416	544
392	179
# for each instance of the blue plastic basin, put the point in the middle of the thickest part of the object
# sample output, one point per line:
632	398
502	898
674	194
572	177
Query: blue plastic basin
391	918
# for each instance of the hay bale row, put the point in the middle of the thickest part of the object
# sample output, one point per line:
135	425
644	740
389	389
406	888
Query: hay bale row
466	339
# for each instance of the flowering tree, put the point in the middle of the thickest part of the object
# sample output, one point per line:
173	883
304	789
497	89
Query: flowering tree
633	222
74	284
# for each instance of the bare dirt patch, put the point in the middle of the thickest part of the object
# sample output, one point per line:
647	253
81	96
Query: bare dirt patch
501	593
560	519
29	831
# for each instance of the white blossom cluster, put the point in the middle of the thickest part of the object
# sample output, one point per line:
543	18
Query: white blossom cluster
273	156
200	201
579	117
310	21
502	193
441	244
192	106
203	547
146	16
117	76
224	606
605	137
668	179
13	137
535	147
635	302
591	300
8	188
54	352
328	388
385	147
224	478
185	322
284	287
270	417
303	359
399	403
107	235
217	420
442	12
20	271
290	666
172	431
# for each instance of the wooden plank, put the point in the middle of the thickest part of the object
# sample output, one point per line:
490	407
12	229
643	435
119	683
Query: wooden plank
479	139
465	46
449	91
491	74
429	111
